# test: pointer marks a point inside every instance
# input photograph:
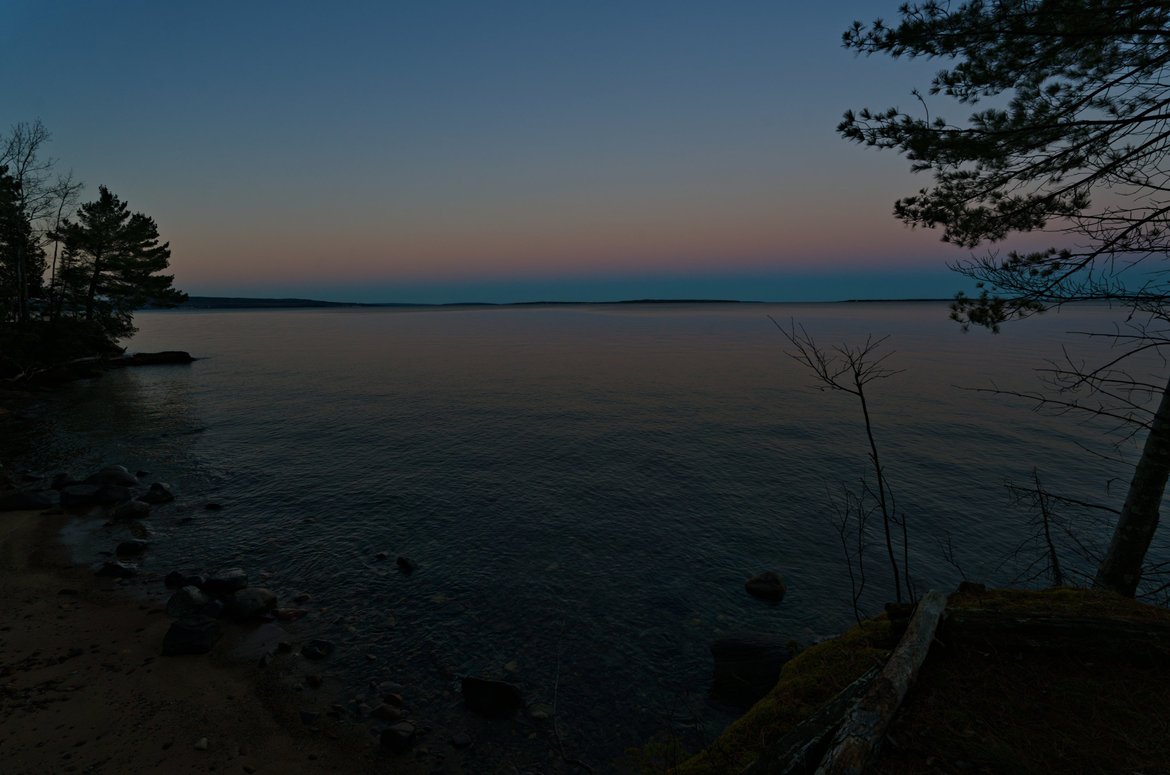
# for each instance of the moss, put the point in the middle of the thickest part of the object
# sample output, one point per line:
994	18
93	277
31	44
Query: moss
990	705
806	683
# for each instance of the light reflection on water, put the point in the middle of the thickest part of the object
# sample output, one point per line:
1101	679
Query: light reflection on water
584	489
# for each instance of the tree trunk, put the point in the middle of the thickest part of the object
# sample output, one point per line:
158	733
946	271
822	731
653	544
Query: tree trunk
1121	570
93	286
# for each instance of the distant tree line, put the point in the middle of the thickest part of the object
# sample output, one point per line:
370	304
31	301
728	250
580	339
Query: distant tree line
71	276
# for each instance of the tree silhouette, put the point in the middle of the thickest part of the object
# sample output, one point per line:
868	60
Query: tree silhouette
1074	145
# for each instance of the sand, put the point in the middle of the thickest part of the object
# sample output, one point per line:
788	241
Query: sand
83	687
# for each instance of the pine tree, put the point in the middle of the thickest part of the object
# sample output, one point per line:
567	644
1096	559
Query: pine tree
112	265
1075	144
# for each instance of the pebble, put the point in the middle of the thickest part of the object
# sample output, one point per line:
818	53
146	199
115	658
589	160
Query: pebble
201	744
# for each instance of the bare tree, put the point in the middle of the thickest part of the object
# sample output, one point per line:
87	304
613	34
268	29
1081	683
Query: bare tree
849	369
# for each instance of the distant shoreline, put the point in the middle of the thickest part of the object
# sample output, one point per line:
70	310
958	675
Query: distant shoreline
235	302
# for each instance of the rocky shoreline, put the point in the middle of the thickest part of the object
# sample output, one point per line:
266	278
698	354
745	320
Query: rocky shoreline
208	620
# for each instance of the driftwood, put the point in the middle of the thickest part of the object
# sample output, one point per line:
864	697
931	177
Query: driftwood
798	752
857	741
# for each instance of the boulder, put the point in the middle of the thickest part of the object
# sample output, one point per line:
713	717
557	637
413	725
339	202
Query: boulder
767	585
494	699
159	492
116	475
26	500
192	635
398	737
131	510
747	666
225	582
250	603
188	601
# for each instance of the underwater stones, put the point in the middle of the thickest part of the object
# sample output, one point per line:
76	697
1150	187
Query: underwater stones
491	698
767	585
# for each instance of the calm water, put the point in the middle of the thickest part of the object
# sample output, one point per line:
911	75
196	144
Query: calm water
584	489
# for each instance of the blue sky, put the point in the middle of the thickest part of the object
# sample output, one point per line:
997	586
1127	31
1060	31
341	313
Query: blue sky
467	151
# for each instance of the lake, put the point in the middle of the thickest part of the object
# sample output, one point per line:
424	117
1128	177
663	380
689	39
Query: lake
584	489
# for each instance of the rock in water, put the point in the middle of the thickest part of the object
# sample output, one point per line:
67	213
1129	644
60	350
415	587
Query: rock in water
767	585
406	565
116	475
747	666
194	635
494	699
159	492
250	603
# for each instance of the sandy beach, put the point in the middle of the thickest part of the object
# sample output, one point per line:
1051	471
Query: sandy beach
84	688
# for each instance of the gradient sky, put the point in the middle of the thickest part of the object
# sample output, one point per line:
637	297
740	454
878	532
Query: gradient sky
437	151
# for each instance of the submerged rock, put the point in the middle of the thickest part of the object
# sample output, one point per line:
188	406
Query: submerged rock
406	565
494	699
767	585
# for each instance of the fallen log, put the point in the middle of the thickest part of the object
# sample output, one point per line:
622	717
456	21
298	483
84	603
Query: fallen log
857	740
799	751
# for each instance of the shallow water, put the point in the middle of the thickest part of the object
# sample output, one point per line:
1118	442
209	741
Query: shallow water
584	489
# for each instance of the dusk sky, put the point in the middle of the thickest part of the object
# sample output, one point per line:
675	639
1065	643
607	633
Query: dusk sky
485	151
